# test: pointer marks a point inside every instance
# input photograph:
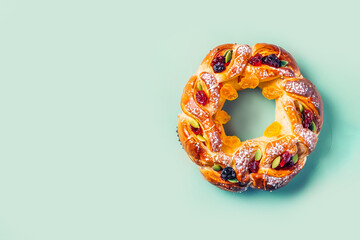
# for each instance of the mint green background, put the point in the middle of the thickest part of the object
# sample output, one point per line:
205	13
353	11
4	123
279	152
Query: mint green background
89	98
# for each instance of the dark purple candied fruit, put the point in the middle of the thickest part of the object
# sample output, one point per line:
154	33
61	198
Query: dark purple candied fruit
271	60
197	131
219	67
285	158
218	59
289	164
218	64
256	60
201	97
254	166
307	118
228	173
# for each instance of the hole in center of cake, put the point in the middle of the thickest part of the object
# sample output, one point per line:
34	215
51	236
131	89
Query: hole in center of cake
250	114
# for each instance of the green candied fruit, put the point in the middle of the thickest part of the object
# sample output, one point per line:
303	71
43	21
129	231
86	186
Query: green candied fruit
276	162
258	155
295	158
216	168
233	180
228	55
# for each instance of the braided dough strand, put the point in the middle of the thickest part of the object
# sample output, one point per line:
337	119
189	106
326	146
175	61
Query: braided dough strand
285	84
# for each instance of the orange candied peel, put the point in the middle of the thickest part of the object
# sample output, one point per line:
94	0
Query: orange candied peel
271	92
273	129
231	141
228	92
222	117
248	82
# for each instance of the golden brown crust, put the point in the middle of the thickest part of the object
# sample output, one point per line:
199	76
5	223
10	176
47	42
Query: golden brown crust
212	147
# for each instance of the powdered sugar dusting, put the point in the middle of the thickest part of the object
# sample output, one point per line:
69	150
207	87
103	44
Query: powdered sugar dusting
222	158
309	136
213	87
304	87
195	111
297	87
289	104
240	62
276	150
276	182
243	157
215	141
279	147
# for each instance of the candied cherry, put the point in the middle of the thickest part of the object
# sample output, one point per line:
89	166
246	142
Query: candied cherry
201	97
286	161
256	60
197	131
254	166
307	117
285	158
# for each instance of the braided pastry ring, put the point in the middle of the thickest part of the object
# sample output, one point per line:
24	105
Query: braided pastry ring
268	162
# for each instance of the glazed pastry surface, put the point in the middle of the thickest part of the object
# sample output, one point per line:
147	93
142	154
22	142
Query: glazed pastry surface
268	162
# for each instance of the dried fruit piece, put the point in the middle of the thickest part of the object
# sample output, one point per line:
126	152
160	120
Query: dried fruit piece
254	166
256	60
271	60
216	168
228	92
194	123
218	59
283	63
218	64
276	162
249	82
222	117
271	92
201	138
258	155
197	131
295	158
199	86
307	117
228	173
228	55
273	129
233	180
232	141
201	98
285	158
218	68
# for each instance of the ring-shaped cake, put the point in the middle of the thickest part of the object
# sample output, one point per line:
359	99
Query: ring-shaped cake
268	162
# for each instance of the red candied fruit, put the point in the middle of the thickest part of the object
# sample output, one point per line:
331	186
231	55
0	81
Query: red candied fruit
307	118
254	166
285	158
197	131
256	60
286	161
201	97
